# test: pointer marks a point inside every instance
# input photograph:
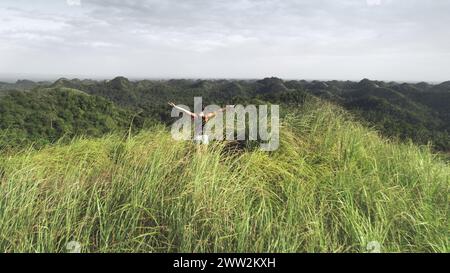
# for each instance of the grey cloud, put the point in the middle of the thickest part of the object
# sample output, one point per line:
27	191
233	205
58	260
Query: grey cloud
209	38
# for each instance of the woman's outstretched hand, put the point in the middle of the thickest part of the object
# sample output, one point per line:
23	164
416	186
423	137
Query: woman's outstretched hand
172	104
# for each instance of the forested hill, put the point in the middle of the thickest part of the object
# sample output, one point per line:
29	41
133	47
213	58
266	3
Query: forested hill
45	115
401	110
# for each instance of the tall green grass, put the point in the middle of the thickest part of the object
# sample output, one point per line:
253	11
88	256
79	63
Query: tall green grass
333	186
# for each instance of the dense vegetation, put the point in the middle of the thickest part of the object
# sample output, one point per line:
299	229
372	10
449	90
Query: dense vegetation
419	112
46	115
333	185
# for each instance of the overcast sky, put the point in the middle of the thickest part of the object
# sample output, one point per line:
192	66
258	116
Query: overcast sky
404	40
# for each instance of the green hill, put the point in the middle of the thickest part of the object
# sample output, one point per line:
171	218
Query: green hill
333	185
18	85
45	115
419	112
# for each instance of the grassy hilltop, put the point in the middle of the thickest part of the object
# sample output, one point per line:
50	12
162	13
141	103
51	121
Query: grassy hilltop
333	185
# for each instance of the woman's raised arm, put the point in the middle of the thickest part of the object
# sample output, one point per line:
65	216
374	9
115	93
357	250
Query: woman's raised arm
213	114
182	109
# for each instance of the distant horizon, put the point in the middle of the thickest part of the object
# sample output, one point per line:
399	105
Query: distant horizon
13	78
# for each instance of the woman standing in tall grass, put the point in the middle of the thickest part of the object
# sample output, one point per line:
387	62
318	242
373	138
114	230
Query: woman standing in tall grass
200	137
